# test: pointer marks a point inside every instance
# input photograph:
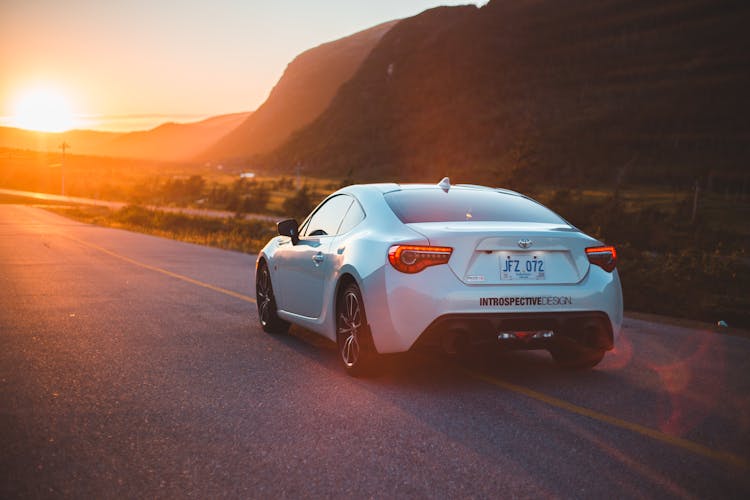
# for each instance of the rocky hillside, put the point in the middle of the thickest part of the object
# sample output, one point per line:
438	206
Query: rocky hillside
544	91
303	92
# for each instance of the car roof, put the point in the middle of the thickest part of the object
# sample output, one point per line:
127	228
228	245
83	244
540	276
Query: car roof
391	187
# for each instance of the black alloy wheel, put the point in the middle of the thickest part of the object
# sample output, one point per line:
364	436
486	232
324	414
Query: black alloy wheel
356	348
269	320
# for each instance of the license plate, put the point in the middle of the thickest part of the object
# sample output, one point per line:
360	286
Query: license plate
522	267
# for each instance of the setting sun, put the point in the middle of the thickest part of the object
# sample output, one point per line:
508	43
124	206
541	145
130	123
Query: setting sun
44	110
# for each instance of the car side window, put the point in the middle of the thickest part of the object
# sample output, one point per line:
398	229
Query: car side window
327	219
354	216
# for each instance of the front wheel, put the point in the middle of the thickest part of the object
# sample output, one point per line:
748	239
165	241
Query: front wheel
269	320
356	348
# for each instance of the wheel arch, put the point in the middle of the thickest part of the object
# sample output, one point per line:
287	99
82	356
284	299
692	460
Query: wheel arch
344	280
262	260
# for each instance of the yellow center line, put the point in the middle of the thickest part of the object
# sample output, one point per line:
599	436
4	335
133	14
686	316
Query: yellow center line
685	444
698	449
180	277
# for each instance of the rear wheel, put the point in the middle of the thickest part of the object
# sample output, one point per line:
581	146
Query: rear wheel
269	320
585	349
356	349
575	356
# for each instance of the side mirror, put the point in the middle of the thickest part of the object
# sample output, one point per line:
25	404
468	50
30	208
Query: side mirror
289	227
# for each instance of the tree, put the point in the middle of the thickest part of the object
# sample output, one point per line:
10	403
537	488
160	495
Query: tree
299	204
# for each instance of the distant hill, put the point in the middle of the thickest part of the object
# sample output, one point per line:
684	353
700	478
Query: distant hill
174	141
543	91
303	92
86	141
167	142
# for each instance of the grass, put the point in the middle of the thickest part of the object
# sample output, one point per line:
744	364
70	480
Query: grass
671	260
237	234
141	182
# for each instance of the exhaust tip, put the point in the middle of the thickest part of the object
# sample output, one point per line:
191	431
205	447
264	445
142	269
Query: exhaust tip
526	335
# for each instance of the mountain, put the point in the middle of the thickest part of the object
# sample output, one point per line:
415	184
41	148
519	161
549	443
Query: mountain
167	142
85	141
305	89
174	141
543	91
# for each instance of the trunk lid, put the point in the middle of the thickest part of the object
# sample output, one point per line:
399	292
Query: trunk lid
511	253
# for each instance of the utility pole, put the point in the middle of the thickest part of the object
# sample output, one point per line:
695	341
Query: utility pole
63	146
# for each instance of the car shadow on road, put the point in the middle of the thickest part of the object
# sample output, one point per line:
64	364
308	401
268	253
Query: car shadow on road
423	369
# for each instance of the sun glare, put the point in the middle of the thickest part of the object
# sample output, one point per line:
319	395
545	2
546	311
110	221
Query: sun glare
44	110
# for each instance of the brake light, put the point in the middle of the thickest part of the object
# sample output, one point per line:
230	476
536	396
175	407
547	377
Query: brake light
412	259
604	257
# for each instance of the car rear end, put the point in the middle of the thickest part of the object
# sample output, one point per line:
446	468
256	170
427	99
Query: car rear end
494	268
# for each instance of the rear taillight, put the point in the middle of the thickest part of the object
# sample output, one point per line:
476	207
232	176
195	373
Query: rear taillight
412	258
604	257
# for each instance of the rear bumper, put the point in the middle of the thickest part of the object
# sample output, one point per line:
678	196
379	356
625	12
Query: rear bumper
458	331
401	309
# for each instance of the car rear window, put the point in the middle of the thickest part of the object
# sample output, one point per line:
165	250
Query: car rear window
435	205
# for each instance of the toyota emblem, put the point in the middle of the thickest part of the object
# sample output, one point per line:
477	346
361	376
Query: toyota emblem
525	243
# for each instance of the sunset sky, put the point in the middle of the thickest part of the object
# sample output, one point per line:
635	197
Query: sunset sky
119	65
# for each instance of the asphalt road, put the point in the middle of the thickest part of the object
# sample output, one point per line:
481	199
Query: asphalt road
133	366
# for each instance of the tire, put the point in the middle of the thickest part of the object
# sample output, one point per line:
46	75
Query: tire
576	356
355	346
269	320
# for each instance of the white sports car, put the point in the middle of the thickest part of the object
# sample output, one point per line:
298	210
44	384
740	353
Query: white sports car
384	268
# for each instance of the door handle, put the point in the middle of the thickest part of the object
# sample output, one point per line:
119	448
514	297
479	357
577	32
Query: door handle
318	258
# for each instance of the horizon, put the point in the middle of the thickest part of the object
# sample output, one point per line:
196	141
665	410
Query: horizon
121	123
84	65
